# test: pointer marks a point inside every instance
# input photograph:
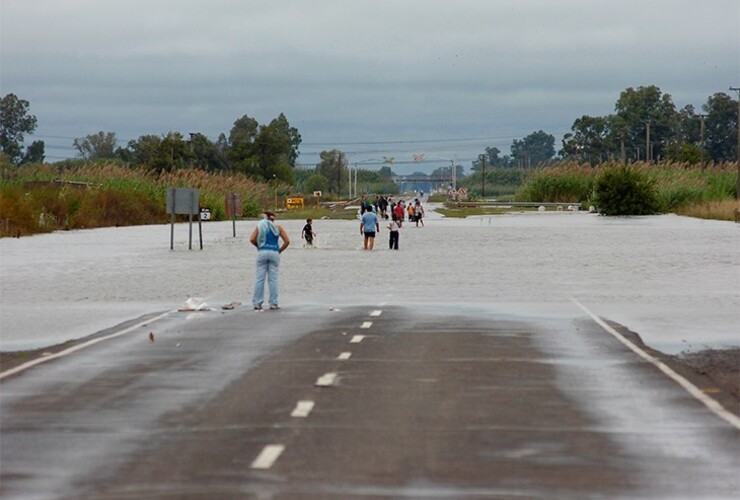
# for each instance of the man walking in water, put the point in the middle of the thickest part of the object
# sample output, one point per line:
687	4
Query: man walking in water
266	237
368	227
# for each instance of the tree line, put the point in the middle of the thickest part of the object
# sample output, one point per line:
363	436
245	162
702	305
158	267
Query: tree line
646	126
260	151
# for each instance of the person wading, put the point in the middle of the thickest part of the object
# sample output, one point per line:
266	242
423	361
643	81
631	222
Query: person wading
368	227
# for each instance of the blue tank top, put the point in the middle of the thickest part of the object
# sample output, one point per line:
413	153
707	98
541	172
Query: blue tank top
271	242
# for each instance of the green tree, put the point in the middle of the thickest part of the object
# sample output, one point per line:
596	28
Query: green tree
283	128
316	182
721	127
14	123
161	154
643	107
492	160
538	147
241	146
333	166
591	140
34	153
685	146
96	146
264	151
207	155
273	152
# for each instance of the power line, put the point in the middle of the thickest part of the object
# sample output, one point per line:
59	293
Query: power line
409	141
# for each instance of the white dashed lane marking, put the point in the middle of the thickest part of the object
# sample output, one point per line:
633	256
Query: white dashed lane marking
326	380
376	313
344	356
357	339
302	409
268	456
366	324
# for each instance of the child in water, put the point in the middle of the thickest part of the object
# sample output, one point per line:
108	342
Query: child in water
308	233
393	235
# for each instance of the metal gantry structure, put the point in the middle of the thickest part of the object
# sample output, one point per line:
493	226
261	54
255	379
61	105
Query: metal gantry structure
389	161
453	173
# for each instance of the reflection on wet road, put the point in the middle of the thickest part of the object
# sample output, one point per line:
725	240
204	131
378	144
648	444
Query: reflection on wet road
428	401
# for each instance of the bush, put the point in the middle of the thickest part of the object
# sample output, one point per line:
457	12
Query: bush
623	190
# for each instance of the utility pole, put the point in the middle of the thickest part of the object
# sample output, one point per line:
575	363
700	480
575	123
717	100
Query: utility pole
701	135
350	179
648	156
482	160
737	186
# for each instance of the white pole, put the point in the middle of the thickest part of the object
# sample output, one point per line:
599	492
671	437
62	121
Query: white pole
454	175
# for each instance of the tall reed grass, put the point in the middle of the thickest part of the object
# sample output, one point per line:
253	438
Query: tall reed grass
43	198
678	185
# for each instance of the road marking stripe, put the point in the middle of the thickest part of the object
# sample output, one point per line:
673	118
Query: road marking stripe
302	409
357	339
78	347
326	379
710	403
345	355
268	456
376	313
366	324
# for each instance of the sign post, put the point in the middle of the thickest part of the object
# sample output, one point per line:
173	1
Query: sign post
183	201
233	208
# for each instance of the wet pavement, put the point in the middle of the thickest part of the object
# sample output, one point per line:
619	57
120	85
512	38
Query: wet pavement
481	378
373	401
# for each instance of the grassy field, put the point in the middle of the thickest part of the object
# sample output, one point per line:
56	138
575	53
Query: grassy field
680	188
43	198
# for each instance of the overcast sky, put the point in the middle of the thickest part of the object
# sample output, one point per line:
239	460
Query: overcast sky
370	77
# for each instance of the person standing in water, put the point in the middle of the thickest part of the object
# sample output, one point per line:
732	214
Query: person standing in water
266	238
368	227
393	235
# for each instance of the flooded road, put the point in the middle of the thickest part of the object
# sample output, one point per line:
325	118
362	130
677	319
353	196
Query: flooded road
674	280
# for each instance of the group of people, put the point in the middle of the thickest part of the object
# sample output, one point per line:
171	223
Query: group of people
398	209
271	240
370	226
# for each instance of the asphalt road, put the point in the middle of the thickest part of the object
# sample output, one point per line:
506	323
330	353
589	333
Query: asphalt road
363	402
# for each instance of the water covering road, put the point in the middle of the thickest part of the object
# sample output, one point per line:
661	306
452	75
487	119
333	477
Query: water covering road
674	280
481	378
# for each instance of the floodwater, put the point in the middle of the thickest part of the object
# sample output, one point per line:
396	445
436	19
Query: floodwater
674	280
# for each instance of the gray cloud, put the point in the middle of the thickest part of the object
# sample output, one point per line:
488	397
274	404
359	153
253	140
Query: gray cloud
344	73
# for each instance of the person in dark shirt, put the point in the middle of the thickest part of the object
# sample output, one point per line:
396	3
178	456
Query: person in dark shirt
308	233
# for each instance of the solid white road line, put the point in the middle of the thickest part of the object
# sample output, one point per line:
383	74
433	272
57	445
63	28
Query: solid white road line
710	403
66	352
268	456
302	409
357	339
366	324
376	313
326	380
344	356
